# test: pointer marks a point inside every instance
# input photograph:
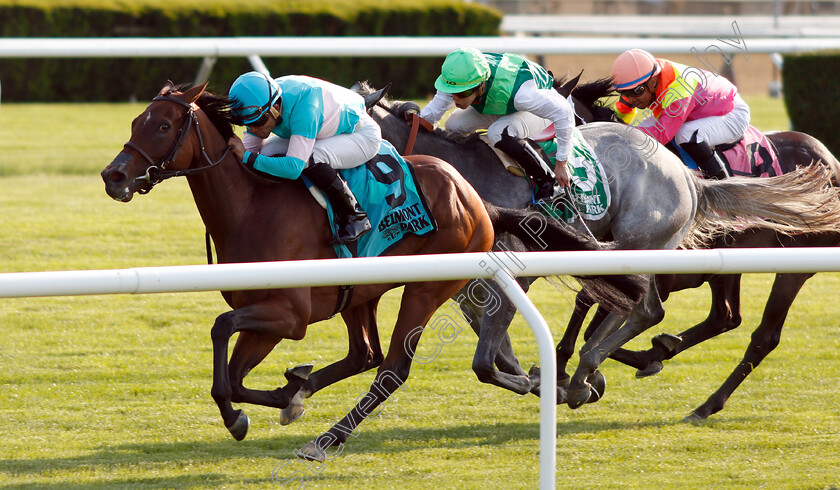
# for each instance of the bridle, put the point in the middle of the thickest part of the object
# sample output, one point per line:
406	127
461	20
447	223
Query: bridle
156	172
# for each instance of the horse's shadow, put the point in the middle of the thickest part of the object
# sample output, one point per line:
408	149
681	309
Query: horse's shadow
283	447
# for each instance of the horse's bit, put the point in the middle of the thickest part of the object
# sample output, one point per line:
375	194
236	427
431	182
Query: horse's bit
156	173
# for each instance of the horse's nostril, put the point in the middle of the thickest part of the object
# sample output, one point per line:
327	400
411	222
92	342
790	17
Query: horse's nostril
116	177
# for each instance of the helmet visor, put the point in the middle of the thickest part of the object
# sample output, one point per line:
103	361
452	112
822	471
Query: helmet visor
249	114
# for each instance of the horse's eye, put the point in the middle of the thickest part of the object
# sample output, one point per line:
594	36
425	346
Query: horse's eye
163	127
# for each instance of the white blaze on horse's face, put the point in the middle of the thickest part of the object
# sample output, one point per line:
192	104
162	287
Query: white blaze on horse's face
148	116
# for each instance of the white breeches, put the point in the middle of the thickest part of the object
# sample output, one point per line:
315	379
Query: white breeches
522	124
717	130
340	151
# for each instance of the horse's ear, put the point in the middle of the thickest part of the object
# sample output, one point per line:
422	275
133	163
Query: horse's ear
169	87
372	99
566	88
192	94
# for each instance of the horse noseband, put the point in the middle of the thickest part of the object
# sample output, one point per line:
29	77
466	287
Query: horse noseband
156	172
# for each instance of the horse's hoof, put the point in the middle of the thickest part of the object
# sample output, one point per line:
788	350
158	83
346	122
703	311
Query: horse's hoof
293	411
653	368
562	395
534	376
563	380
239	429
311	451
301	372
577	397
667	341
693	418
597	384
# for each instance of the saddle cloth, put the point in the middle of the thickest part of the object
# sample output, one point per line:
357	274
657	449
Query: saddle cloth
751	156
588	192
386	189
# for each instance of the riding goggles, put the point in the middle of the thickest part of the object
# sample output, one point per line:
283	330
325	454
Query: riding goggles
255	115
635	91
465	93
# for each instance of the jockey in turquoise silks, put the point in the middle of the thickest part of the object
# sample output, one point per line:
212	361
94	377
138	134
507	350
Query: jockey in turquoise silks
668	101
513	99
315	127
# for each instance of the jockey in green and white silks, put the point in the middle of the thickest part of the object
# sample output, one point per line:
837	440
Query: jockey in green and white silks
513	99
302	125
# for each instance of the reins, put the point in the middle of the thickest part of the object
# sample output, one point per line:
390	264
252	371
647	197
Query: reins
416	121
157	173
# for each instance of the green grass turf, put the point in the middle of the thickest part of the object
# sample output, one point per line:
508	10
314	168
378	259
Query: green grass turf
113	391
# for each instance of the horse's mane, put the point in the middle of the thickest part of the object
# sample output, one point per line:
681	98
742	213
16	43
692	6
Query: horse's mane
216	108
590	95
399	107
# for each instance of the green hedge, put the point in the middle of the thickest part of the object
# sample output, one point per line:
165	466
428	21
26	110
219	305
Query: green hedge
121	79
810	87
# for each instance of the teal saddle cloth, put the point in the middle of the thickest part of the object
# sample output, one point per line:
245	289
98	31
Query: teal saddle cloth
387	190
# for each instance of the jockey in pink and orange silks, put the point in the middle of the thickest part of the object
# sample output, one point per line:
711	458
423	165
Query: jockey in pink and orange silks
696	109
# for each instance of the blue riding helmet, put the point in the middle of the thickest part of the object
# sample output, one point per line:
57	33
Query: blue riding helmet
251	95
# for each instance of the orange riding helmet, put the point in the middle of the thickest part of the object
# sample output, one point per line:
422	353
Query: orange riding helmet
632	68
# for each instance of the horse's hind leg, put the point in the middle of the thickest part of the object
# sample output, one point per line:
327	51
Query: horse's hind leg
724	315
419	302
364	353
765	338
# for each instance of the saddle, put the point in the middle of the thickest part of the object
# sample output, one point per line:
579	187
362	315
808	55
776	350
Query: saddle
387	190
751	156
589	195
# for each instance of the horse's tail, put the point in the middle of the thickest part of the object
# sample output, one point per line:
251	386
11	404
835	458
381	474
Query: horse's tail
619	293
800	201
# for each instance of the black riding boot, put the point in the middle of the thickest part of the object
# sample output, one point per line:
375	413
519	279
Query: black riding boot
533	160
350	219
706	159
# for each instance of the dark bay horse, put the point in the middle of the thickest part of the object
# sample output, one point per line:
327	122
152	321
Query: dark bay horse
656	204
794	149
185	134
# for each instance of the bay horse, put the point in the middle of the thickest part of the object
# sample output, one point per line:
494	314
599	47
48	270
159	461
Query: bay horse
794	149
185	133
657	203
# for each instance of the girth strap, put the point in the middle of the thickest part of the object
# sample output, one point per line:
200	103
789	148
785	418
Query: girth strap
345	294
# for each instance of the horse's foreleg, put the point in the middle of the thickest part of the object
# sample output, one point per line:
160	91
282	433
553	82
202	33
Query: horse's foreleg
221	390
765	338
250	349
494	349
566	346
419	302
364	353
494	331
260	330
586	384
479	298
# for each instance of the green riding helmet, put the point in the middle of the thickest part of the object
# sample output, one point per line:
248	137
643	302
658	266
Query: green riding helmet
251	95
462	70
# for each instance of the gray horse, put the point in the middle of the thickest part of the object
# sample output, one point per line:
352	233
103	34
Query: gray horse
657	203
